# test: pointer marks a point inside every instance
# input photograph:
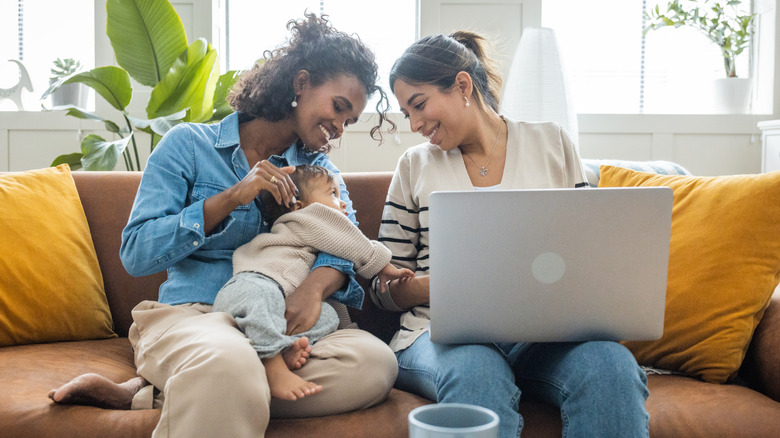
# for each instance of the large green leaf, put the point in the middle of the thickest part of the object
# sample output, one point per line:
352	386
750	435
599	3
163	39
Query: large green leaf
80	113
160	125
147	37
73	160
111	82
225	83
100	154
190	83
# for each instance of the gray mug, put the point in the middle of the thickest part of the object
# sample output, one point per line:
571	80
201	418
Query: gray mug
453	420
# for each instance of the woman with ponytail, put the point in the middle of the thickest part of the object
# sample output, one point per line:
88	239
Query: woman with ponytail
199	200
448	88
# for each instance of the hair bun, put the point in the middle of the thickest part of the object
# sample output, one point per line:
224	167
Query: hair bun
473	41
437	60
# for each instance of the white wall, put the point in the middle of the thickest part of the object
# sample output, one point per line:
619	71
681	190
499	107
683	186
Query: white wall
711	145
706	145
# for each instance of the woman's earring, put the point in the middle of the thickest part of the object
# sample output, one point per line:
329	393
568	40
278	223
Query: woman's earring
294	103
467	101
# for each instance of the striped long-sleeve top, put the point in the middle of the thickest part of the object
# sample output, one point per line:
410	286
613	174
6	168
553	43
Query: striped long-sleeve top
539	155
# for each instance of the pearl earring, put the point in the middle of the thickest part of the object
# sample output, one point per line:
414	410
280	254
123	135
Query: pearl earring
467	101
294	103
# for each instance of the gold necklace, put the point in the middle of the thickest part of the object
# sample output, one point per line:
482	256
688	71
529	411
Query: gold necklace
483	170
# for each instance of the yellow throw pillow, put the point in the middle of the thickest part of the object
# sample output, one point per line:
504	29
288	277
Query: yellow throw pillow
51	288
724	264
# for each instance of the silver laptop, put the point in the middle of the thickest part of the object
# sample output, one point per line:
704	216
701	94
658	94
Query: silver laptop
549	265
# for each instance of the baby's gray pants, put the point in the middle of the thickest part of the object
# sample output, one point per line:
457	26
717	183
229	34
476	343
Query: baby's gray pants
257	304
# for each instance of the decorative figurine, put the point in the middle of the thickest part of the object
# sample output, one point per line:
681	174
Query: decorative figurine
15	93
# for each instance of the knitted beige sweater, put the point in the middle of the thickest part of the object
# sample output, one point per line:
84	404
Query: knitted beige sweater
288	252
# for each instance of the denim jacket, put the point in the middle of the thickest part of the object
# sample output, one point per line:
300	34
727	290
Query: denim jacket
165	231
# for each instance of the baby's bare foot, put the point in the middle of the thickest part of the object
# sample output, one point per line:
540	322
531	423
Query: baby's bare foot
96	390
296	356
284	384
288	386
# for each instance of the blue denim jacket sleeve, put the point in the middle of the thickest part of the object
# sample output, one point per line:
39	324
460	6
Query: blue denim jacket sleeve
163	229
352	295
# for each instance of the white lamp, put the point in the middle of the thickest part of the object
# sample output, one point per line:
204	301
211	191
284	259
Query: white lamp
537	88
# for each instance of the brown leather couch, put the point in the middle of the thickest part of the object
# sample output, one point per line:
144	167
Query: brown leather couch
678	406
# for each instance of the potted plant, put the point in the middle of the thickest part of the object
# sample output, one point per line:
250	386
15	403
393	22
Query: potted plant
70	94
150	46
723	24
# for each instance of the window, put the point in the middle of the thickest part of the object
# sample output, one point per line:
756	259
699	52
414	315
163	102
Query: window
37	32
614	70
257	26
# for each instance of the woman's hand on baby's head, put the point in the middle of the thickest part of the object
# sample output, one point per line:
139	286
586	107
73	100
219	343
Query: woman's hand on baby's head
266	176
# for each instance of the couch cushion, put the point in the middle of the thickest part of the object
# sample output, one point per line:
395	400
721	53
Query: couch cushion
31	371
107	198
724	264
51	286
678	406
761	366
685	407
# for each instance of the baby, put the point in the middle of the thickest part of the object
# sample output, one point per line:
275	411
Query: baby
272	265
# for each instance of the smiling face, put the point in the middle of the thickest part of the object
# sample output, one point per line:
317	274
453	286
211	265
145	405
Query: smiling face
324	111
325	192
439	116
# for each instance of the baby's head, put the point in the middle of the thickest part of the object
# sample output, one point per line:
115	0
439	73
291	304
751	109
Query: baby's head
315	184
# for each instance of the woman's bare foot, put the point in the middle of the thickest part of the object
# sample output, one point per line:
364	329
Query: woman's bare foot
96	390
296	356
284	384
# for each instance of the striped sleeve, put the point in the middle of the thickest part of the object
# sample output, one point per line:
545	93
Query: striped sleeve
400	229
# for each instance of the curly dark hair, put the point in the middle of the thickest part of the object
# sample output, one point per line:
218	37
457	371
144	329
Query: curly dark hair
315	46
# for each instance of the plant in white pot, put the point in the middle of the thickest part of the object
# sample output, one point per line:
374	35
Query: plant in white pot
723	23
70	94
150	45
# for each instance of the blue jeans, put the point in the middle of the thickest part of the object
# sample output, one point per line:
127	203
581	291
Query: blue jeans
598	386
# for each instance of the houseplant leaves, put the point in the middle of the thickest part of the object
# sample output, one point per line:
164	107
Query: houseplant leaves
112	83
147	37
151	47
221	107
189	83
100	154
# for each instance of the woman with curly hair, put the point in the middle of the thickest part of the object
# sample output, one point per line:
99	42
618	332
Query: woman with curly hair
199	200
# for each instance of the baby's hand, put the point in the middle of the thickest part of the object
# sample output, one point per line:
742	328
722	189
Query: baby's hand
389	273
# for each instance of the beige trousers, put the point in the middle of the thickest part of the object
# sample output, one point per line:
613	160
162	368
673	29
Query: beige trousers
211	382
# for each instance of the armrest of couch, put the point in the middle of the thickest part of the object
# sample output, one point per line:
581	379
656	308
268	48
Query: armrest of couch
761	367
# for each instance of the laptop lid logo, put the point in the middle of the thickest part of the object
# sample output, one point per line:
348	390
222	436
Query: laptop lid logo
548	267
